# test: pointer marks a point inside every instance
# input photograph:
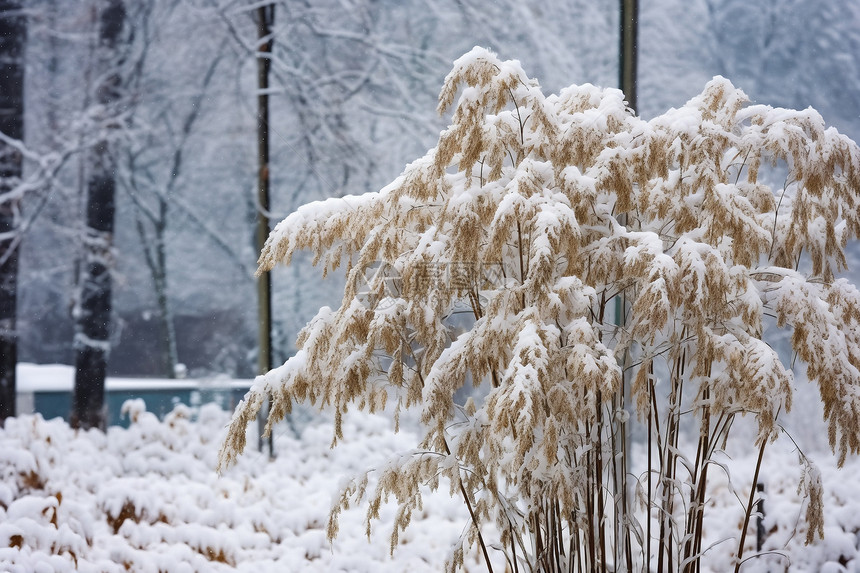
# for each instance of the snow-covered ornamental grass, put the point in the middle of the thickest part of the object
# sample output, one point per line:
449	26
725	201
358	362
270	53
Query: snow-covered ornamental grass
601	277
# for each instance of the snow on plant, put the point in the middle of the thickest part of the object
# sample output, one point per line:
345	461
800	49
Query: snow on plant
618	273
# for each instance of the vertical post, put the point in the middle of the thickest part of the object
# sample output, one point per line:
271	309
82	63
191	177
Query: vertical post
13	33
627	69
628	22
265	16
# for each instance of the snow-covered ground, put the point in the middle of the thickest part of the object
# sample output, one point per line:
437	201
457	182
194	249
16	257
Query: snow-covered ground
147	498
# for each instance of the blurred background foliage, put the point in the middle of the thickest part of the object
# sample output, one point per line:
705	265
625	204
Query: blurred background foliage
353	99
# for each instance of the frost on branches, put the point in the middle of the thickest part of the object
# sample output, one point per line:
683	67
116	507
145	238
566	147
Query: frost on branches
541	217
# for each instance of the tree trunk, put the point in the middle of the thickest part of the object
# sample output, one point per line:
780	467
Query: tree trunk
93	312
155	255
168	331
13	34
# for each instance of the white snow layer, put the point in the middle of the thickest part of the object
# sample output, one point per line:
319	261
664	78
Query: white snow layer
147	498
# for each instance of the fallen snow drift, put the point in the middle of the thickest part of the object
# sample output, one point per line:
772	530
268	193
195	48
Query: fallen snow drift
147	498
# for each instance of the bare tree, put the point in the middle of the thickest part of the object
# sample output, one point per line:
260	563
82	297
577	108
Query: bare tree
153	197
93	307
13	34
154	164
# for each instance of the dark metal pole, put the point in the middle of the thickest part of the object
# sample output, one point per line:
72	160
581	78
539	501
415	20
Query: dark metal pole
265	16
627	79
627	68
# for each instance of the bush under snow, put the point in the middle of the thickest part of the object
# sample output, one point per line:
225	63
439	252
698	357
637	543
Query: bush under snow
147	498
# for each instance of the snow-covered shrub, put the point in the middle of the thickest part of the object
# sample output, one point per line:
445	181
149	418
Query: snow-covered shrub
147	499
618	274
